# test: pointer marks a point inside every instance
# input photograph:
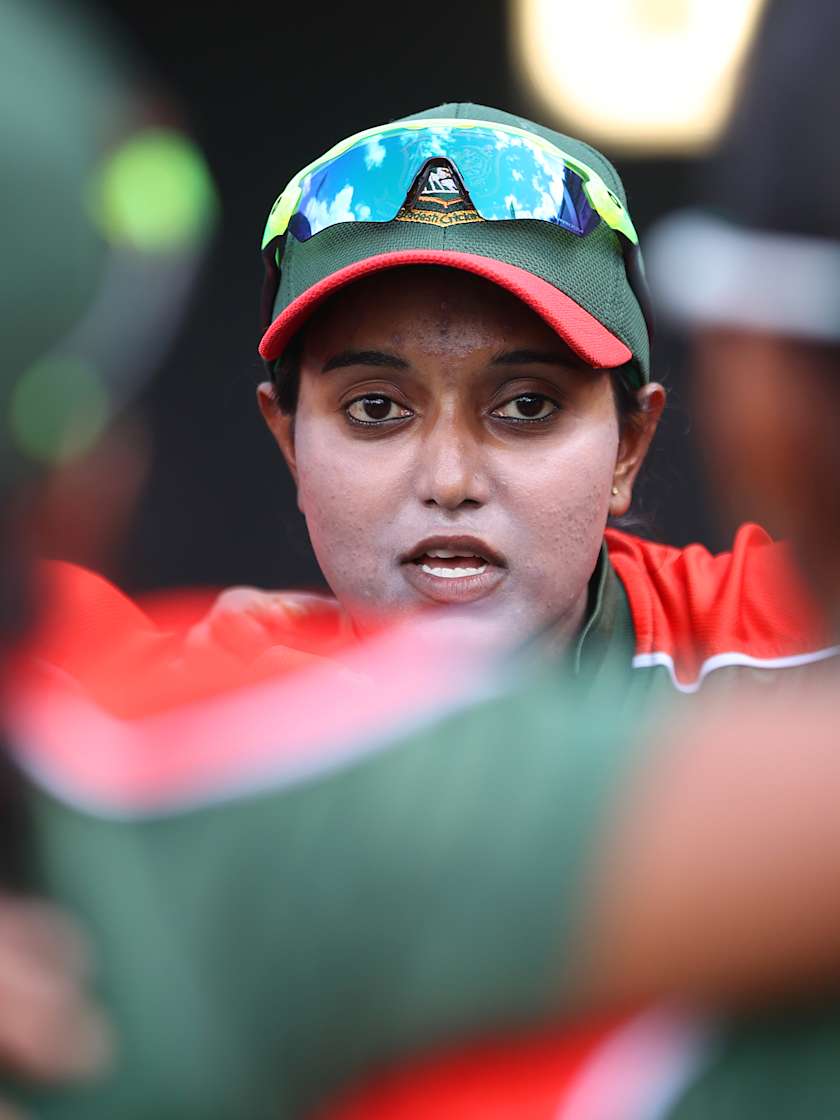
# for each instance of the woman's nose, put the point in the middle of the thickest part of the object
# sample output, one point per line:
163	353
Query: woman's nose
451	472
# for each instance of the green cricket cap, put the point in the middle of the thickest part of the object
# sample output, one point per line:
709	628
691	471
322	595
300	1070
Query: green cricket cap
579	285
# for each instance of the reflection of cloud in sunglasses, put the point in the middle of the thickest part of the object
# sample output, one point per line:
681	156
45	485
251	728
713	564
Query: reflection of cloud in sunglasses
321	213
507	175
374	153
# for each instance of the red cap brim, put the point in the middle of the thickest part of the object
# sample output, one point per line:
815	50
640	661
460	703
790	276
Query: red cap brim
589	338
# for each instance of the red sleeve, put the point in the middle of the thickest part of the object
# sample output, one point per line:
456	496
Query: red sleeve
133	660
123	656
82	614
695	612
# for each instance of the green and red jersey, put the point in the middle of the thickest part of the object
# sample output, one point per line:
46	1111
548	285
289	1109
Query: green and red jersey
677	617
298	882
295	881
695	614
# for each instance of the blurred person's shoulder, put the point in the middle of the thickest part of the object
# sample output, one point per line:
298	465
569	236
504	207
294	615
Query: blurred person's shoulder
696	613
145	732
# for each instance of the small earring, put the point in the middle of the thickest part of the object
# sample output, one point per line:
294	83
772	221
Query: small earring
615	489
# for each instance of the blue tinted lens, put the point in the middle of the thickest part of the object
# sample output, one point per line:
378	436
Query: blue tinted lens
368	183
506	176
509	176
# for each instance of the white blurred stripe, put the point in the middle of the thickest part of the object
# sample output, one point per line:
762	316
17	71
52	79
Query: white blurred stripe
641	1070
706	272
728	660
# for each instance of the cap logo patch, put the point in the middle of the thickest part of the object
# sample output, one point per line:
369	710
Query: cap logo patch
440	181
440	200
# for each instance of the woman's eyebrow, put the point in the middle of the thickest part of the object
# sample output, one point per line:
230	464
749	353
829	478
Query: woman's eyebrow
363	358
539	357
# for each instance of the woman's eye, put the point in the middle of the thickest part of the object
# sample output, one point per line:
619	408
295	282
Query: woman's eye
528	406
375	410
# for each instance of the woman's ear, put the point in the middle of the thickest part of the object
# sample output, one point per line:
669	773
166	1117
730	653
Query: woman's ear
633	446
280	424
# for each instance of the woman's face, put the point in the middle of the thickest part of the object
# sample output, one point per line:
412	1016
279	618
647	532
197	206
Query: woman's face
449	450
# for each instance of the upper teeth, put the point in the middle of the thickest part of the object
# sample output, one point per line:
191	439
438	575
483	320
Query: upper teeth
447	554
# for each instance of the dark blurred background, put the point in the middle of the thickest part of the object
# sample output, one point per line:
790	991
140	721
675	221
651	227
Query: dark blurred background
265	89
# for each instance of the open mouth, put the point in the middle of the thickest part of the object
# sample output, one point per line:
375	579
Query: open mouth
448	563
453	569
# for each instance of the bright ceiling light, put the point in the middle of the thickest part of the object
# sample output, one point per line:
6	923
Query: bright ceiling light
649	75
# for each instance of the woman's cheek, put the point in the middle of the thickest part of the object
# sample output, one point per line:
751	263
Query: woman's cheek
567	500
337	508
573	480
348	509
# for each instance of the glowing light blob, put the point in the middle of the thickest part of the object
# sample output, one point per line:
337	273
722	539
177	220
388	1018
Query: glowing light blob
644	75
154	193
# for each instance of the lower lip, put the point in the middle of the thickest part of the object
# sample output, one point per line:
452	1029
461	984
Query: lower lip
451	589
